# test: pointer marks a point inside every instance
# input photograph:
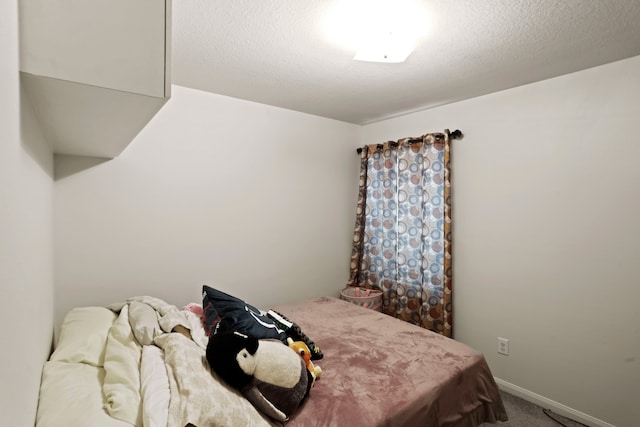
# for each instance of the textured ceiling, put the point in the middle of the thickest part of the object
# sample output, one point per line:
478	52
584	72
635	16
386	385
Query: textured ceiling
277	52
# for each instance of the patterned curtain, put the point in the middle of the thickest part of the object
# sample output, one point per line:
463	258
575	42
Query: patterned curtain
402	239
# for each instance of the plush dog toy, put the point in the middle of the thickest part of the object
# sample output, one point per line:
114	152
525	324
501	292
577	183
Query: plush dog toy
271	376
303	350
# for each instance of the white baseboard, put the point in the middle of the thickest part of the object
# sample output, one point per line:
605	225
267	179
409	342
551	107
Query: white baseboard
556	407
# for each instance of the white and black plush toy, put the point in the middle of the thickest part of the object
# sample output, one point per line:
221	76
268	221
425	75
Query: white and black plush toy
267	372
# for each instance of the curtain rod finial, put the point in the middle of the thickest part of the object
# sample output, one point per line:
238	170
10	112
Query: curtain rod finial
456	134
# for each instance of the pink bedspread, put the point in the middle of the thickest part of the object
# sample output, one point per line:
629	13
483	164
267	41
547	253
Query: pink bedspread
380	371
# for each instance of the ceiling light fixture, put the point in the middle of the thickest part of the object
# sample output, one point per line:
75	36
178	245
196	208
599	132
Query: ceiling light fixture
388	47
378	30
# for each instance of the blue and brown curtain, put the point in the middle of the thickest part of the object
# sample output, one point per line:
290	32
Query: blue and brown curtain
402	239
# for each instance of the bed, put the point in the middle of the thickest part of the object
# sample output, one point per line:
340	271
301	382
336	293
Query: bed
141	362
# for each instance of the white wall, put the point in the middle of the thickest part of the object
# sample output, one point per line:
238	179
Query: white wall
26	260
546	199
255	200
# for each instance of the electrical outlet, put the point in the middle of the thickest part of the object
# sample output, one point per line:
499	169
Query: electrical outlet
503	346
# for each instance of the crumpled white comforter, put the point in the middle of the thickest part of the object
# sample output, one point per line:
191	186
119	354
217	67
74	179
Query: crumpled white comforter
156	374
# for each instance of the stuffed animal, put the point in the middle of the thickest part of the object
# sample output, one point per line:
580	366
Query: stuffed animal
292	330
272	377
303	350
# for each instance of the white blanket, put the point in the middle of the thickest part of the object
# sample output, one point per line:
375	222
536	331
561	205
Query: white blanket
198	396
121	385
154	387
172	384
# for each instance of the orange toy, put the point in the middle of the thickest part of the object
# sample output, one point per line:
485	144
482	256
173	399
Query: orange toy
303	350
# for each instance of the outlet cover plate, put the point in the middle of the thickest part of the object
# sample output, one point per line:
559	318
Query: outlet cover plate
503	346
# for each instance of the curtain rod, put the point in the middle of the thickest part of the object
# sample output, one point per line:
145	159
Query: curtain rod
456	134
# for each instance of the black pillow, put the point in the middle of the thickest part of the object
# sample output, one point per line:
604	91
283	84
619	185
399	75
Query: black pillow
236	316
211	317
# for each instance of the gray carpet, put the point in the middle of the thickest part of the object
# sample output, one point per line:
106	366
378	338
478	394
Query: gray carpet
525	414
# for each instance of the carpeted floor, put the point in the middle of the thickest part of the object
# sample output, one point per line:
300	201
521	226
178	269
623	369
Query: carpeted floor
525	414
